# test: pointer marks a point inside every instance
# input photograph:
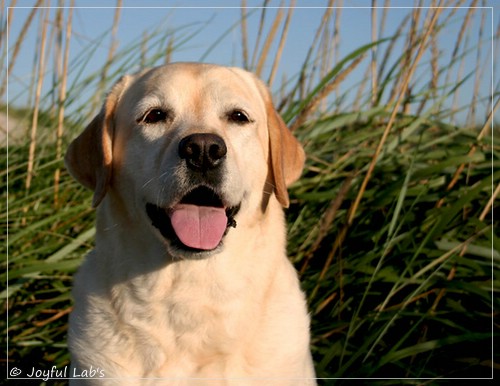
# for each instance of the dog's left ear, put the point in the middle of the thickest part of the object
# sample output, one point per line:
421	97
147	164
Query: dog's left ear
287	155
89	157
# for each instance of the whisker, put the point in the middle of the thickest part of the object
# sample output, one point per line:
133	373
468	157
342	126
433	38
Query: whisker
148	182
269	185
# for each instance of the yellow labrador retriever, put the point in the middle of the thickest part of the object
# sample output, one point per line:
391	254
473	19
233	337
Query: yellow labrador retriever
189	282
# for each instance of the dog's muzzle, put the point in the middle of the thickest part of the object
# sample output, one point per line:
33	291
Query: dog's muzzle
201	219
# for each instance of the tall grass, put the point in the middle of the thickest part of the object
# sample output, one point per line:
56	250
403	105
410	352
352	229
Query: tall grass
390	227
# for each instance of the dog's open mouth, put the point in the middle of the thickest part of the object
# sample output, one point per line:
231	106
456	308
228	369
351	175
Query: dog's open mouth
198	222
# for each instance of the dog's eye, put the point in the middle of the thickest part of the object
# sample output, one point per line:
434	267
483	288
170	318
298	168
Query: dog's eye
154	116
238	116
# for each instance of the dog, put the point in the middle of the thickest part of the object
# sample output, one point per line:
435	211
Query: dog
189	282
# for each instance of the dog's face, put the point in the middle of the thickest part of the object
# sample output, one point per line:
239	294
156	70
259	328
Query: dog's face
190	149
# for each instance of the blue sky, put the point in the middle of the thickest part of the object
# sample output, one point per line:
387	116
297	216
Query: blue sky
213	19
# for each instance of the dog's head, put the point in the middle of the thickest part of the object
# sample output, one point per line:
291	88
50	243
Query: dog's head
190	148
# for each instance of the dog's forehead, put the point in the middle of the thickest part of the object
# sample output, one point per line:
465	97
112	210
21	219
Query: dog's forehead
195	72
193	80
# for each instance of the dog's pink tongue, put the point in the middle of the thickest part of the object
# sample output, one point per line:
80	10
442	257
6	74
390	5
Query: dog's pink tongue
199	227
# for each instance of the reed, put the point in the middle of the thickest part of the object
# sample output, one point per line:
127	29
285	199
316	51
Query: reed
267	43
281	45
478	75
64	62
323	93
374	52
6	20
19	41
405	81
244	34
38	94
111	55
260	34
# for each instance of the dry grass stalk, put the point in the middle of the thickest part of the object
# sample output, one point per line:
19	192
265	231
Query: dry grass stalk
335	247
456	49
404	87
53	45
387	4
321	42
434	61
321	306
371	71
326	222
326	57
433	83
325	91
57	35
269	40
402	305
38	93
4	31
391	46
497	39
374	53
485	129
281	45
459	75
111	53
324	21
62	100
244	33
377	73
463	29
114	31
442	291
301	83
486	66
56	83
460	248
260	33
325	54
489	205
361	91
477	82
58	315
336	39
3	28
19	41
409	50
281	89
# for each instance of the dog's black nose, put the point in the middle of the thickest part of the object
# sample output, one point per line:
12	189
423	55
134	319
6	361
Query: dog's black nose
202	151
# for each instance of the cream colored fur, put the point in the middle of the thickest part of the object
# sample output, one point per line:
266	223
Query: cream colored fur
148	313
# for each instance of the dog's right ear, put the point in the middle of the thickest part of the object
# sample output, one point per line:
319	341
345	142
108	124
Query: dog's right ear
89	157
285	151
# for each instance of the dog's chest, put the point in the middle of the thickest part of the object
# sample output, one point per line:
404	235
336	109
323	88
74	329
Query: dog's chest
186	322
